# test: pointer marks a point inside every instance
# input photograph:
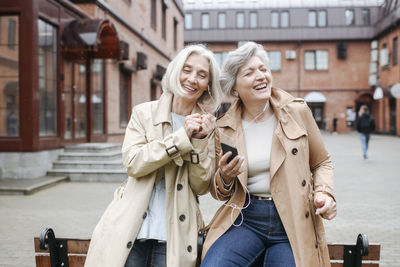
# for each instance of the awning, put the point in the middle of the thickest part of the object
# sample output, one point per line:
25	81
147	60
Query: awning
11	88
93	38
315	97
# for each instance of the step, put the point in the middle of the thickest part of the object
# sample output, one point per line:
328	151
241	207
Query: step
93	147
28	186
87	156
89	175
96	165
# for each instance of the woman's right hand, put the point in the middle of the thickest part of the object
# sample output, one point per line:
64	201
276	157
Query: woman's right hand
228	171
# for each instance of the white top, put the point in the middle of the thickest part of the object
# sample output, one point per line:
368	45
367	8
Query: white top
154	225
258	137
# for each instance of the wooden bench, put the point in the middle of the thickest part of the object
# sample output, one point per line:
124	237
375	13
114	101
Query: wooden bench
68	252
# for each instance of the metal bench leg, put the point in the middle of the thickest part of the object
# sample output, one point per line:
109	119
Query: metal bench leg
57	247
353	254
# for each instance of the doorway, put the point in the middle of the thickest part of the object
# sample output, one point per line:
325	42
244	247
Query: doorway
83	99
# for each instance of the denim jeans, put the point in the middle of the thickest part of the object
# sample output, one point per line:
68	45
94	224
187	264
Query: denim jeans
260	235
148	252
364	141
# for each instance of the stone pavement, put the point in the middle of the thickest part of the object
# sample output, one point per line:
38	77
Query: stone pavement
366	191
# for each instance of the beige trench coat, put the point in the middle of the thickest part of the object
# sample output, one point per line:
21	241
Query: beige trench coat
299	165
147	137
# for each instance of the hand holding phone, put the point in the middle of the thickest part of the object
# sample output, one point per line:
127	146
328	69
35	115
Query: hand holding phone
225	148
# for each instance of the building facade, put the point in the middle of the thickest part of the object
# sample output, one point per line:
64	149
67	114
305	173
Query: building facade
71	70
337	55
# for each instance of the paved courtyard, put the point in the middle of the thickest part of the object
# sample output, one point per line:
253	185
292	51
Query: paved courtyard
367	193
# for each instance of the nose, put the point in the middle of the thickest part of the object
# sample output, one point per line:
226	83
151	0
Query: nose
192	77
260	75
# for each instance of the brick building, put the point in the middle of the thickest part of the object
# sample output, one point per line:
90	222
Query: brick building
71	70
337	55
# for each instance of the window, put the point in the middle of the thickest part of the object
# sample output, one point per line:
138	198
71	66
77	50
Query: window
175	33
322	18
188	21
9	76
312	18
97	98
124	97
164	20
221	20
365	16
284	19
274	19
349	14
274	60
47	67
253	19
153	15
205	21
11	32
395	51
316	60
240	20
220	57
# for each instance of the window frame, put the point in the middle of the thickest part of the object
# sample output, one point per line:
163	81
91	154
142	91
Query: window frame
220	14
187	15
238	14
314	20
271	66
203	15
316	62
273	14
395	43
353	19
281	25
251	15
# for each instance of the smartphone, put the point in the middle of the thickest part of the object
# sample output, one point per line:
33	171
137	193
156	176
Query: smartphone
225	148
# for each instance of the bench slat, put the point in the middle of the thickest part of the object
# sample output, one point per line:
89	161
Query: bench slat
338	264
74	260
336	252
75	246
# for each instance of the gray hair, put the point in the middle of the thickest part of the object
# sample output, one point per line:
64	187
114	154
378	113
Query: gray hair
236	59
171	82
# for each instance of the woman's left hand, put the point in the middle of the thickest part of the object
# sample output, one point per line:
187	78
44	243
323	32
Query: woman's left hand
326	205
207	125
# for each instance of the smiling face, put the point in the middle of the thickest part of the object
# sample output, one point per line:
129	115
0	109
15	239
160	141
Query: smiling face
253	82
194	76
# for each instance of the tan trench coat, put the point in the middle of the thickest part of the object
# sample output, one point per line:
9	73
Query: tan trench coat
144	155
299	165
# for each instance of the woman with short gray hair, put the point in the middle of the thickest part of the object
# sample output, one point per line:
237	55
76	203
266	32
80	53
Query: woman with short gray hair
279	186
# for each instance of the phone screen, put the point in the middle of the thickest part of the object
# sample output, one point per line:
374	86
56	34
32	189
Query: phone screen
225	148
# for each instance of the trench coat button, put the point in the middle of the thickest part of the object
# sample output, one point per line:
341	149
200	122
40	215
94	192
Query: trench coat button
304	183
144	215
179	187
307	214
189	248
129	245
182	218
316	245
294	151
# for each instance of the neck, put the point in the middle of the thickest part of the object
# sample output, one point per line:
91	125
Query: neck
257	112
181	106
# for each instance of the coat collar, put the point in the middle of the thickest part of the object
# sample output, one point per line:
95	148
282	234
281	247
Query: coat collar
162	112
279	101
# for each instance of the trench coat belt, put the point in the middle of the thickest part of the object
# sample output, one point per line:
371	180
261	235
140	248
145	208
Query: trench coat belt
262	198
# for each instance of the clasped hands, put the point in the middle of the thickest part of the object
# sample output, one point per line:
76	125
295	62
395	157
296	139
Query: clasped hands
198	125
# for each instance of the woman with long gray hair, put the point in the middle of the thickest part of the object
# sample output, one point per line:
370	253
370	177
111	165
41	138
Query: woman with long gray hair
169	155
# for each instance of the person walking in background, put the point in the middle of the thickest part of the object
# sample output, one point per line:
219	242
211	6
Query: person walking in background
334	121
169	154
280	184
365	126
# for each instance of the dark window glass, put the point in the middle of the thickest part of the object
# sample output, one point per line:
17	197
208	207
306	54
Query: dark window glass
365	16
124	85
153	15
9	76
395	51
164	21
47	78
175	33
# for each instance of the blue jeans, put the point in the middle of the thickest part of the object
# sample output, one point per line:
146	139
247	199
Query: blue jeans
261	236
364	141
148	252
